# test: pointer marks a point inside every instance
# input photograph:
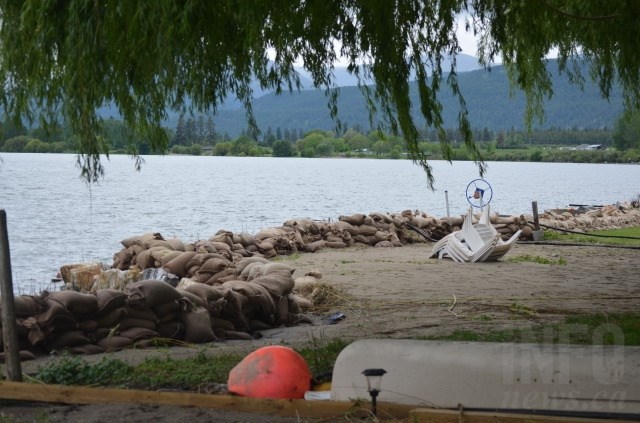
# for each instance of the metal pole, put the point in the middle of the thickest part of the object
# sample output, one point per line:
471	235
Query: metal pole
536	222
446	199
9	333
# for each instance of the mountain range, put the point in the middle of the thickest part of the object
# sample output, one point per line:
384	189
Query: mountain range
490	101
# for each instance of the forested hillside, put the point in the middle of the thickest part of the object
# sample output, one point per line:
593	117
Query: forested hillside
486	93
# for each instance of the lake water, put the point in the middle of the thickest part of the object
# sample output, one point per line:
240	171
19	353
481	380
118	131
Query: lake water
55	218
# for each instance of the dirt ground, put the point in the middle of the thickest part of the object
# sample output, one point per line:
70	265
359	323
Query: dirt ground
401	293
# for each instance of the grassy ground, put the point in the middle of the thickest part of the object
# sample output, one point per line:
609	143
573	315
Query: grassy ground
205	373
596	237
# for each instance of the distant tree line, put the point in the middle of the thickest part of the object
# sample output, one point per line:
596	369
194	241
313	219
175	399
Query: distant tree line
198	136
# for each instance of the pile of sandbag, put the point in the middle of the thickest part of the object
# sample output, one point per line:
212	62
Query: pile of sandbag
616	216
257	295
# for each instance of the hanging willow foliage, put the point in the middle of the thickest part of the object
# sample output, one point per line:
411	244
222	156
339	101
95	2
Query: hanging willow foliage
63	59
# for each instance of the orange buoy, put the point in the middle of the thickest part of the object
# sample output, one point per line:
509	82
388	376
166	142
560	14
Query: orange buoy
271	372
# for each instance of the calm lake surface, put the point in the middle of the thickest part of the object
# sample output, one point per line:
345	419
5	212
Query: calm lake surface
55	218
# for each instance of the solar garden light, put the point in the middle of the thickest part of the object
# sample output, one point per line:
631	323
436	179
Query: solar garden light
374	378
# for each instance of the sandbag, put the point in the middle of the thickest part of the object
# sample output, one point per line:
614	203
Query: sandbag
144	313
271	267
114	343
75	302
86	349
314	246
131	322
277	283
68	339
176	244
151	292
197	326
214	265
242	336
193	298
144	259
28	305
109	300
178	265
354	219
171	330
220	277
138	333
87	325
110	319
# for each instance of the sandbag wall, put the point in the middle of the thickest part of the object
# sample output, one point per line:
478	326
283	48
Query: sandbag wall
616	216
258	296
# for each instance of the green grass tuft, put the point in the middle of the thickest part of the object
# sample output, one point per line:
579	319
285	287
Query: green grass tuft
520	258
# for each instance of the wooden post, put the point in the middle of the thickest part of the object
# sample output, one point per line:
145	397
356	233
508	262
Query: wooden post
9	333
536	222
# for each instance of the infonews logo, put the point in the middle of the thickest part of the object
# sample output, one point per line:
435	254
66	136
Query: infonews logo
601	401
554	375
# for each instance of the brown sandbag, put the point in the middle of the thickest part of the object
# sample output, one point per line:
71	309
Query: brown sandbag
86	349
232	307
178	266
206	292
165	257
384	244
363	239
171	330
114	343
214	265
176	244
354	219
25	355
269	253
87	325
28	305
197	326
283	310
170	317
258	296
303	303
56	316
247	239
144	259
271	267
130	322
144	313
314	246
220	277
255	324
221	246
75	302
166	308
249	269
330	244
110	319
152	292
243	336
367	230
128	242
343	226
138	333
219	323
156	243
68	339
277	283
109	300
193	298
223	236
